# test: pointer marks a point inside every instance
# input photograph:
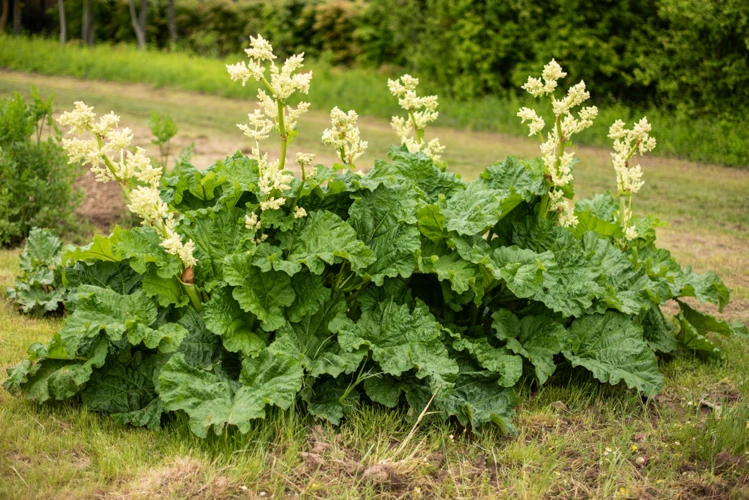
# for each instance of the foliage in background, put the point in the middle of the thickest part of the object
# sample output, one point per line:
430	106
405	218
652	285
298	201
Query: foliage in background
163	128
710	139
668	53
248	289
36	181
39	290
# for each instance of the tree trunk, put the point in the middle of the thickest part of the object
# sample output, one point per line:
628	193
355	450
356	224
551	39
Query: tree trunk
172	23
63	24
17	5
139	21
87	34
4	15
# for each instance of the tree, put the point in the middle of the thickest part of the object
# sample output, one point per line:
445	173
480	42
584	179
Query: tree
139	21
87	32
63	24
172	23
17	6
4	15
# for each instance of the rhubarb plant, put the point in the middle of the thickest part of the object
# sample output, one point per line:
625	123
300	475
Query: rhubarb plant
249	286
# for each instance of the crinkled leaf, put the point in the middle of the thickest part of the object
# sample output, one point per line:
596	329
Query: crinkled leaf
497	360
142	245
216	232
478	399
214	401
323	237
431	222
537	338
385	220
474	210
692	340
310	295
612	348
705	323
42	249
400	340
266	295
318	347
332	399
168	291
100	309
118	276
102	248
656	331
166	338
55	379
448	265
223	316
126	390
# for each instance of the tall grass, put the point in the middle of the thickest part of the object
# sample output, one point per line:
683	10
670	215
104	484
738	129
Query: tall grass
706	140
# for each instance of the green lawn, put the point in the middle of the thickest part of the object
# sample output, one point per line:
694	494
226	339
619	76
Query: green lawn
576	439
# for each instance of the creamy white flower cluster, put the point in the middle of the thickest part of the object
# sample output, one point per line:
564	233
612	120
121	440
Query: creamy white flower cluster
282	84
344	136
421	112
273	181
273	113
627	143
557	162
127	168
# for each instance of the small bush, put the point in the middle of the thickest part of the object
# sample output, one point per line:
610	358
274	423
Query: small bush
35	178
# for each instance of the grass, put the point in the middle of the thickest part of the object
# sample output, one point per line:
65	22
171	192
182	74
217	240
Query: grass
577	439
709	139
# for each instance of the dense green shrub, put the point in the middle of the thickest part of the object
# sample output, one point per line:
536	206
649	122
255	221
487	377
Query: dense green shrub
39	289
36	182
248	289
673	53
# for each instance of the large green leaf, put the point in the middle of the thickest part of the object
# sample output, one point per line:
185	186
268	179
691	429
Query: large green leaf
318	347
42	250
692	340
657	332
266	295
125	389
497	360
478	399
142	245
310	295
118	276
705	323
101	309
323	237
473	210
537	338
385	220
448	265
216	232
223	316
612	347
213	400
332	399
167	291
56	379
166	338
400	340
104	248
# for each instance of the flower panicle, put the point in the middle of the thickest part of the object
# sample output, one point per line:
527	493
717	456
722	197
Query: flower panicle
421	110
558	162
344	136
629	180
108	151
